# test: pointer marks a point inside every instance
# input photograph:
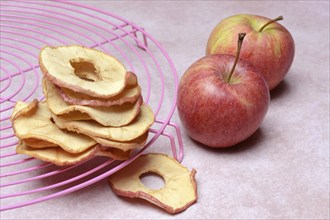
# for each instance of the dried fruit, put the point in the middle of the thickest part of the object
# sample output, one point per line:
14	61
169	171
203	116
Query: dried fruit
113	153
38	143
131	93
136	128
36	124
178	193
123	145
115	116
56	155
24	109
83	70
93	108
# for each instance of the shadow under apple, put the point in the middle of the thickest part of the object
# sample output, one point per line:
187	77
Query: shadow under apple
280	90
248	144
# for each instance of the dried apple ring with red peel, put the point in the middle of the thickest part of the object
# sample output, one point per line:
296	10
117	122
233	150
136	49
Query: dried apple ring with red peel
128	95
115	116
83	70
131	94
178	193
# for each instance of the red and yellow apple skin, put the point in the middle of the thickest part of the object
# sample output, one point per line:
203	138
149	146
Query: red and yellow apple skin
271	50
218	113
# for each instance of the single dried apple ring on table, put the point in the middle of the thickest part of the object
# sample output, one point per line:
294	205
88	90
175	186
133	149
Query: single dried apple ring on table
37	126
116	115
131	93
178	193
128	132
83	70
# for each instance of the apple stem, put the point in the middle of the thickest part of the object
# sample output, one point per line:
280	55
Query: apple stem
269	22
239	46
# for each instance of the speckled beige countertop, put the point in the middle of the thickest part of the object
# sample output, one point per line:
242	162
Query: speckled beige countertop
281	172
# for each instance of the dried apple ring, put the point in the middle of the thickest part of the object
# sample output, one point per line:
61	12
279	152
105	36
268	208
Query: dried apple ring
56	155
178	193
24	109
123	145
128	132
38	143
36	123
83	70
115	115
113	153
131	93
60	157
128	95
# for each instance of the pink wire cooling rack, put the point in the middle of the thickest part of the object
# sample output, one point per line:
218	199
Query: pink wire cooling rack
26	27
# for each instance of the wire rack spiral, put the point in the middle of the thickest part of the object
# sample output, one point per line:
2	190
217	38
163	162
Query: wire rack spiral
28	26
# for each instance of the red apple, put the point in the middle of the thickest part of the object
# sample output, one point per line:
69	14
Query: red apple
268	45
220	103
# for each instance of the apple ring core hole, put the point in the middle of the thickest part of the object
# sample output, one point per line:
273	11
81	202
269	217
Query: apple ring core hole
152	180
85	70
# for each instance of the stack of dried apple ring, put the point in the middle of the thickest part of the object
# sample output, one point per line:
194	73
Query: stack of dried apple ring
93	107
